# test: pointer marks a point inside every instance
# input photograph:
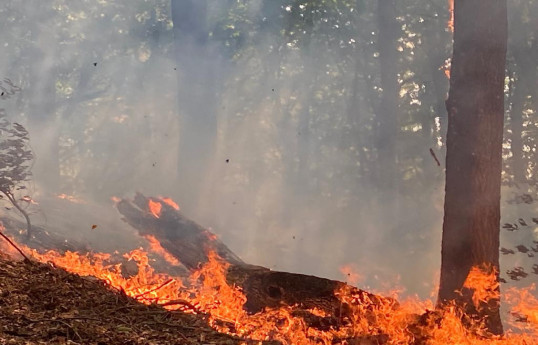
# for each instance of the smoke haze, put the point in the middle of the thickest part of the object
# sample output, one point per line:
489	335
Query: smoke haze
292	181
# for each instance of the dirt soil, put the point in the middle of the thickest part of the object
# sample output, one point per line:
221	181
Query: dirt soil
41	304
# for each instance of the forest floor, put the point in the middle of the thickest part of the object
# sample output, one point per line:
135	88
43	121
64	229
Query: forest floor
41	304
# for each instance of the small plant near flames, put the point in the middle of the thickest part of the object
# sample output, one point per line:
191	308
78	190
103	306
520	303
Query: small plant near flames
15	164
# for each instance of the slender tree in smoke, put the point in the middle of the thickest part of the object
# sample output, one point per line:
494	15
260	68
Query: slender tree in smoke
474	153
15	164
197	101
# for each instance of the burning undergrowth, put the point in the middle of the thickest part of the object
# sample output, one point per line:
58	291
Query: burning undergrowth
207	293
41	304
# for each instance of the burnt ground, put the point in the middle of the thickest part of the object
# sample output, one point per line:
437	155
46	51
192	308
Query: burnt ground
41	304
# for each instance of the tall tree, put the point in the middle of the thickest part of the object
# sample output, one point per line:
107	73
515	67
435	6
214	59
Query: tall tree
387	113
197	95
474	158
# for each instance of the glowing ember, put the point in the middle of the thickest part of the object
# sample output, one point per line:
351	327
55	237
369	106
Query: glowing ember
170	203
155	208
29	200
524	306
211	236
70	198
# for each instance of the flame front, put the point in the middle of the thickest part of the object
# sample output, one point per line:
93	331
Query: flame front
156	247
411	321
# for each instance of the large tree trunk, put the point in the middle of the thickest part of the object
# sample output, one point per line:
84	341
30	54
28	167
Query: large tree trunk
474	157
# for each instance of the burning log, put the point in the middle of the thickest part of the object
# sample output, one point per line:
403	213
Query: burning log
192	244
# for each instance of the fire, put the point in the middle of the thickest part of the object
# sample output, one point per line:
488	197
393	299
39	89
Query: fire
410	321
483	281
170	203
70	198
155	208
156	247
211	236
524	306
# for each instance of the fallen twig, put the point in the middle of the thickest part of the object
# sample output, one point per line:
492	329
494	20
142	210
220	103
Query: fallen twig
155	289
13	244
180	302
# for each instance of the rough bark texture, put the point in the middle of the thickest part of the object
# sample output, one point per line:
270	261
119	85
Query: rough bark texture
190	244
474	142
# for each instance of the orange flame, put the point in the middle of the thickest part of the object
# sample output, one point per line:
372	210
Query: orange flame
483	281
210	293
155	208
156	247
170	203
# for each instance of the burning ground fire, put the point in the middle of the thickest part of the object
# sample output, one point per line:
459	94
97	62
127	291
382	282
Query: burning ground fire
206	292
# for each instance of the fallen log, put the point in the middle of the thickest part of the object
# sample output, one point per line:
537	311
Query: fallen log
191	244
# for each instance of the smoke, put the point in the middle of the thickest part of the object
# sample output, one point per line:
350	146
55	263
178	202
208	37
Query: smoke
291	180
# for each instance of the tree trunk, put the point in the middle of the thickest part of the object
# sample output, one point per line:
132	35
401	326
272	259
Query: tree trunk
474	151
197	96
387	114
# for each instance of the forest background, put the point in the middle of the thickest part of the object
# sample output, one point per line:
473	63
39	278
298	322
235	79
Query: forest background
317	124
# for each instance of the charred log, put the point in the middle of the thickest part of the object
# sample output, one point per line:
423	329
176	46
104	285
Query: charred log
191	244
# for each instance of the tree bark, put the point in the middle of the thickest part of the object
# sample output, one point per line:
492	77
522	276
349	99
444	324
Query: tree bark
474	151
